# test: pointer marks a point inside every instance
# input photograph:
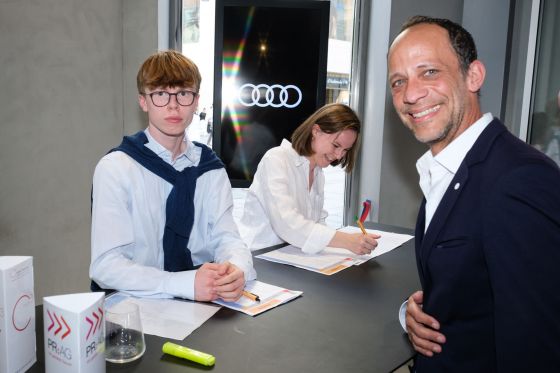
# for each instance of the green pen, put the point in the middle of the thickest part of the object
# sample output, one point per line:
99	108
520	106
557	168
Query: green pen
189	354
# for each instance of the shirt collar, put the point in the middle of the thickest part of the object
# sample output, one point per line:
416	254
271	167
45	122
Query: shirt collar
299	160
190	152
453	154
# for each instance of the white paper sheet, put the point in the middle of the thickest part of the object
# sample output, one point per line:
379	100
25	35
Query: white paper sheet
270	296
387	242
167	318
333	259
293	255
325	263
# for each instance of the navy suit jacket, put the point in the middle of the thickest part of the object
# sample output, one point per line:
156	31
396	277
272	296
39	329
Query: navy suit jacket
489	263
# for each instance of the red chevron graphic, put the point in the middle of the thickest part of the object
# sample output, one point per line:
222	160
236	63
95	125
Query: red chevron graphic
52	321
96	321
90	327
68	330
59	324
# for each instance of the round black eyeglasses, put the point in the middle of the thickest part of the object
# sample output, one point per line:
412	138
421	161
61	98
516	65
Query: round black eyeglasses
162	98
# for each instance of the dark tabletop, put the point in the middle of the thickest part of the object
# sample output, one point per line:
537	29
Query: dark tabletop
346	322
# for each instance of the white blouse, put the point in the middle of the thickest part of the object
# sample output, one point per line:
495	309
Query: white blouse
280	207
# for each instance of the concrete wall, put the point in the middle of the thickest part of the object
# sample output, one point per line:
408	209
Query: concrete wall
64	64
140	39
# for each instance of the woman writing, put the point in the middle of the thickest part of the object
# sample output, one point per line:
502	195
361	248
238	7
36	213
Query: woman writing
285	200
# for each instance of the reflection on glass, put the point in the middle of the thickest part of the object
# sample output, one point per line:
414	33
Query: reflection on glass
272	79
340	51
191	19
198	44
545	121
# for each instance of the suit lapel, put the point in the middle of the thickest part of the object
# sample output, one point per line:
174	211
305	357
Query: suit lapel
476	154
418	238
444	208
440	216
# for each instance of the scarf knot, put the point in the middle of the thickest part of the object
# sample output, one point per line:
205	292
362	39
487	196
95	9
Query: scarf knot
179	207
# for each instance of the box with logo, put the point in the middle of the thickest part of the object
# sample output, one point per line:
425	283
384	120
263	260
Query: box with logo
17	314
74	330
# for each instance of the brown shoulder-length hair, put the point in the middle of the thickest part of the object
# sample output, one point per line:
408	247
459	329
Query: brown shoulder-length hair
331	118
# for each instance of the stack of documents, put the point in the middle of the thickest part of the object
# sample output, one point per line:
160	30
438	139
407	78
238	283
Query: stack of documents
325	262
334	259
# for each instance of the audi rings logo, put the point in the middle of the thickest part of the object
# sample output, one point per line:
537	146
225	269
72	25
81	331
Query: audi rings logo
276	95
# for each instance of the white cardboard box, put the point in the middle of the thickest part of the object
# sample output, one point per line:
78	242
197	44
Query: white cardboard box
74	329
17	314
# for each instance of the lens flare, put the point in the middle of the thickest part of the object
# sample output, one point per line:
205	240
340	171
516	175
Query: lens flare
230	70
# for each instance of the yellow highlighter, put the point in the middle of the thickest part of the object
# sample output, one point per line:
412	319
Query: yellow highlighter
189	354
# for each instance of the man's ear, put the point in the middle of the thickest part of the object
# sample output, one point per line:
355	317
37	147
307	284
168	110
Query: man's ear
142	103
476	75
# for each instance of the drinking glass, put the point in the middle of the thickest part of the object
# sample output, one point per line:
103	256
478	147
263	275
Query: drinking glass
124	339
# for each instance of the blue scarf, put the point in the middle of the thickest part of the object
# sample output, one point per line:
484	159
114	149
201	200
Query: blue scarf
179	208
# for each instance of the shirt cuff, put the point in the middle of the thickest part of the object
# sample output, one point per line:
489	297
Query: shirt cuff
402	315
247	268
180	284
319	238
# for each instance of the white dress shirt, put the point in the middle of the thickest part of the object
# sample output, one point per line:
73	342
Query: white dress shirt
437	172
280	207
128	221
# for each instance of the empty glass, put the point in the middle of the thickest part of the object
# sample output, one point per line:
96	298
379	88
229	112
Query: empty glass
124	339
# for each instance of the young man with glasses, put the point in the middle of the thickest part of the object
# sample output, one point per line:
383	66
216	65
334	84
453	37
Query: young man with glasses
162	221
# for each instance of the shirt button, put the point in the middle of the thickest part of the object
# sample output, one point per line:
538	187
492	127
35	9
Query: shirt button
457	186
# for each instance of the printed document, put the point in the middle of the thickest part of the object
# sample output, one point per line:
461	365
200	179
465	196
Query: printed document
270	296
333	259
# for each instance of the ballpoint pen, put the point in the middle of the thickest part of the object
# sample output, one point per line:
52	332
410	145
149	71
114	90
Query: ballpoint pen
365	211
360	225
253	297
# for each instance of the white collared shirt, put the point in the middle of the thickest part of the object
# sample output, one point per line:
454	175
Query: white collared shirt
437	172
128	220
280	207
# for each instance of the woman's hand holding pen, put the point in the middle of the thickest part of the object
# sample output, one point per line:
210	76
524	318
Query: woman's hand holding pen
362	244
358	243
